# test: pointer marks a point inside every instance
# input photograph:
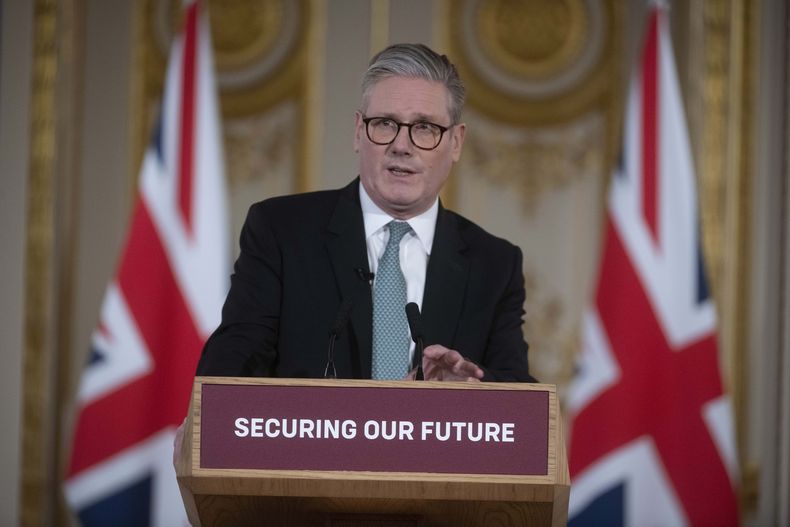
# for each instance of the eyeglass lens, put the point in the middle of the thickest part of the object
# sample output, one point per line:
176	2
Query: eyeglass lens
423	134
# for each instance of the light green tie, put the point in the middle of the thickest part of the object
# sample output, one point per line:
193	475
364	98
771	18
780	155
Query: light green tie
390	329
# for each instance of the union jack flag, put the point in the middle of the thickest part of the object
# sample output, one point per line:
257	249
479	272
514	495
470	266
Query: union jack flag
651	426
157	312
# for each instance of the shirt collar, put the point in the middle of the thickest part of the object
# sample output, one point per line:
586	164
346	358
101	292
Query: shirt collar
424	225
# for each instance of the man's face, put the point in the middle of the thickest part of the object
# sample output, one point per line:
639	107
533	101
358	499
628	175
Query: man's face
399	177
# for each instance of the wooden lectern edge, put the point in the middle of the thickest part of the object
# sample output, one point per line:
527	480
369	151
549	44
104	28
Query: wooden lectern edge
182	463
396	485
562	490
378	384
553	487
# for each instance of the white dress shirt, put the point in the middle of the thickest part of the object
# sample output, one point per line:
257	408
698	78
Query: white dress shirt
415	247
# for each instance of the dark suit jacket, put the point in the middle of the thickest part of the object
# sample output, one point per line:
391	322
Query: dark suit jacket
300	258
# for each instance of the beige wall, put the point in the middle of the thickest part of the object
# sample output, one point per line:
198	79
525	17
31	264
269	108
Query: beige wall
767	447
344	60
16	48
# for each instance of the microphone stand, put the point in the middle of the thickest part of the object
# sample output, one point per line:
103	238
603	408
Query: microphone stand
330	372
340	321
415	328
419	376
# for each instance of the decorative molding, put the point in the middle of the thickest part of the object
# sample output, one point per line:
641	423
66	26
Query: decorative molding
255	46
536	63
555	72
531	50
537	160
547	330
259	143
722	87
39	255
66	368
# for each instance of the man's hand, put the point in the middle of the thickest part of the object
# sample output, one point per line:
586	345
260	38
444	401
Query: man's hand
443	364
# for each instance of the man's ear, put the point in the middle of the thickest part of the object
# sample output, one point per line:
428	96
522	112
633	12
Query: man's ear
457	140
359	129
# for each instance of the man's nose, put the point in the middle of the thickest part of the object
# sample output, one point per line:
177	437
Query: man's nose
402	142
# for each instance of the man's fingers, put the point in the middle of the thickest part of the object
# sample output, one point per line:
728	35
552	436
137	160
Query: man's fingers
445	364
444	355
435	351
470	368
462	366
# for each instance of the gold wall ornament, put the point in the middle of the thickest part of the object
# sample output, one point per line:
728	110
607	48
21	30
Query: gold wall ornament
39	273
50	259
259	48
259	144
728	89
537	61
534	41
552	343
537	160
244	31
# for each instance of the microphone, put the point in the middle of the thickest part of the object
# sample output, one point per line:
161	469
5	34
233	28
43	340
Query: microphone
415	326
337	328
364	275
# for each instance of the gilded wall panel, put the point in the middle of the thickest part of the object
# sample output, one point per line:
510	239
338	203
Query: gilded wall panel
545	86
537	61
724	83
543	80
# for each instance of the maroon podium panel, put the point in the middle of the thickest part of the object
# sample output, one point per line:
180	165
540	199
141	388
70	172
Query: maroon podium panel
381	429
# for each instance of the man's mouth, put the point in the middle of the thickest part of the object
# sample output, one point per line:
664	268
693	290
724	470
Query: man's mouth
400	170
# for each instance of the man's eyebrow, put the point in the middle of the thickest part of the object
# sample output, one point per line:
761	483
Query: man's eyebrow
418	118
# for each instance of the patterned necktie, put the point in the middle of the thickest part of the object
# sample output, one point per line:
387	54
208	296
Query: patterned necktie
390	329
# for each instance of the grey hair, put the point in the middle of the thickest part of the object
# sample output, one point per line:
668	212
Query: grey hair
416	61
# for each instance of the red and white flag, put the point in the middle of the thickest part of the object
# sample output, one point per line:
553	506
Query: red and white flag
157	312
651	425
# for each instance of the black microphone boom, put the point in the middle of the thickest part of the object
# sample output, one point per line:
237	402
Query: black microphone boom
415	326
337	328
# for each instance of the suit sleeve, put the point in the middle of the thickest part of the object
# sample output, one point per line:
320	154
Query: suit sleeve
245	343
505	358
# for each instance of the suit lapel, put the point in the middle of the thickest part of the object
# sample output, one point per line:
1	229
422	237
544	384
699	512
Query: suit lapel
348	254
445	281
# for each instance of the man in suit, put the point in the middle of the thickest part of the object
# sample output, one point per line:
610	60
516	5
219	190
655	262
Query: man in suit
381	241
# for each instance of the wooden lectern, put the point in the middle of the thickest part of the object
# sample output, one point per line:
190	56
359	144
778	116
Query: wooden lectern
355	453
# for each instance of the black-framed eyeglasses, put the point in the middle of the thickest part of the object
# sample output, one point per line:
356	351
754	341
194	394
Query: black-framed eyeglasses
425	135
